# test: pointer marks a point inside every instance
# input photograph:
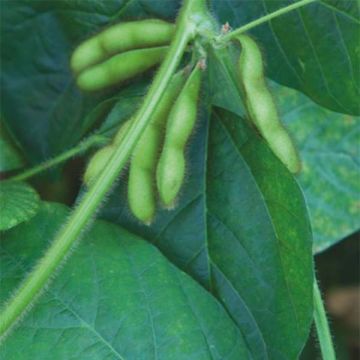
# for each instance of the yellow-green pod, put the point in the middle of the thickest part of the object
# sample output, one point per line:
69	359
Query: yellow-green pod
261	106
119	38
141	193
141	186
119	68
170	172
97	164
122	132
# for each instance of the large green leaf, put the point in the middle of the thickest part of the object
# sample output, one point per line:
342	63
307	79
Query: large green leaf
329	148
314	49
257	215
116	297
259	240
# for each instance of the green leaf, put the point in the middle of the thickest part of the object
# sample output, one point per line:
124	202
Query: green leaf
329	148
116	297
259	240
19	202
314	49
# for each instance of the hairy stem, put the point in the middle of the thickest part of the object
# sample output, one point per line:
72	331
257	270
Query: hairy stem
265	19
322	326
78	149
85	210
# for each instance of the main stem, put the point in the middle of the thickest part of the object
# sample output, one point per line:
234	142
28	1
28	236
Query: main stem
322	326
264	19
91	200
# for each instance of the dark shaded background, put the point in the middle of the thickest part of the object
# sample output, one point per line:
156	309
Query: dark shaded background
338	270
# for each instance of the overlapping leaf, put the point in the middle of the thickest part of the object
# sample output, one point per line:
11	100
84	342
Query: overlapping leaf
116	297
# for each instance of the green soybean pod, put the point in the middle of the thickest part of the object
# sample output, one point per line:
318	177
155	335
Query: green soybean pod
261	106
97	164
119	38
119	68
121	133
170	172
141	185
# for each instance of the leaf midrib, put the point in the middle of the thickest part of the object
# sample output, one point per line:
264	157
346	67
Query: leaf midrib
276	236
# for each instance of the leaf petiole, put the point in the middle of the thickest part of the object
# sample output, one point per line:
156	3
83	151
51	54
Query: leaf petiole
322	326
233	34
76	150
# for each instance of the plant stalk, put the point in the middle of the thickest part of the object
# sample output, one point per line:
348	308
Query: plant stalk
322	326
85	210
78	149
233	34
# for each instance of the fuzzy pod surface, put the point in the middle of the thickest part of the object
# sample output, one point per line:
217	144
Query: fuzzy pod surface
119	38
121	133
261	106
97	164
119	68
170	172
141	186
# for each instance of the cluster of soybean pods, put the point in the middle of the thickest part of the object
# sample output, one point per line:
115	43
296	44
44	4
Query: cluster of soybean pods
158	163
